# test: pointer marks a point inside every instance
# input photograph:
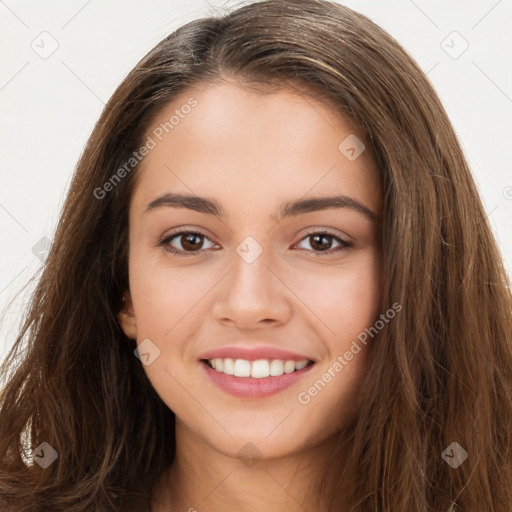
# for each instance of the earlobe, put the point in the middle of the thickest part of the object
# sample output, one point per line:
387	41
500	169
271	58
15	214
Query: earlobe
126	317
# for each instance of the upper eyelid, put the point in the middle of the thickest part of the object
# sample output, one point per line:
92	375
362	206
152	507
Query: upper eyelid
312	231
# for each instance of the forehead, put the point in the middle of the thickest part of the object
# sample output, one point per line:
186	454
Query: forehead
226	139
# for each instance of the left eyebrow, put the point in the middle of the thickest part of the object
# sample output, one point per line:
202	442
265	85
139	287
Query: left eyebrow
292	208
287	209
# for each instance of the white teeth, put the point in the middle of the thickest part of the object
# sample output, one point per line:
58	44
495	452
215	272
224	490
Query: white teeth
242	368
289	366
276	367
256	369
229	366
300	365
260	369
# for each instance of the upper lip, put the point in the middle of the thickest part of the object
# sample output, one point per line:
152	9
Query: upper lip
254	353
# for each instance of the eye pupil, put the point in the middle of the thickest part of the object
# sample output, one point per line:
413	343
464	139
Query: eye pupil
321	239
189	241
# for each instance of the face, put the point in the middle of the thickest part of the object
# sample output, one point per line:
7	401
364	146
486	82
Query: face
244	273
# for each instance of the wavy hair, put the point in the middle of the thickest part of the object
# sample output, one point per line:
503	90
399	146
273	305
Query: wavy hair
440	373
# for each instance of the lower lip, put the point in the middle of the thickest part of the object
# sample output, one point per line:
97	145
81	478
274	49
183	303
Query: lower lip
248	387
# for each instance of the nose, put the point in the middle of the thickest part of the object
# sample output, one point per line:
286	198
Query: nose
252	296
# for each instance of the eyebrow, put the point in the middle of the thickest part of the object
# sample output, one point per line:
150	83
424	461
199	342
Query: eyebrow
287	209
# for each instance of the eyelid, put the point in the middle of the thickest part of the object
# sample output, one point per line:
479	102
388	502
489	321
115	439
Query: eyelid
165	240
343	244
316	230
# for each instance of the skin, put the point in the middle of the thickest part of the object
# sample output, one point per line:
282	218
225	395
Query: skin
251	152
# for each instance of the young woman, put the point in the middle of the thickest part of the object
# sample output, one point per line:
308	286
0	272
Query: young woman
272	287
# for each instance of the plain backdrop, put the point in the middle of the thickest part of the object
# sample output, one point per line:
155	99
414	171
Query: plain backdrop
60	62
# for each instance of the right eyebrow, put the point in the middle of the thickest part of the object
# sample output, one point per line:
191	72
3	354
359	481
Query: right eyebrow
198	204
287	209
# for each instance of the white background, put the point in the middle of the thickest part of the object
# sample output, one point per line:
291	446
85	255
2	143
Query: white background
49	105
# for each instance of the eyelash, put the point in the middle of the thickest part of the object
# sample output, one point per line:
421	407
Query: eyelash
164	242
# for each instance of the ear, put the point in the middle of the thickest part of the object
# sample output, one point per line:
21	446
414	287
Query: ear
126	317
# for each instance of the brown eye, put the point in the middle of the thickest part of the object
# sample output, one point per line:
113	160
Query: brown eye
191	241
323	242
185	242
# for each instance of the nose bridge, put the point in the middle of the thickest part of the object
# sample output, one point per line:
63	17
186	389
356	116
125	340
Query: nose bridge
251	274
251	292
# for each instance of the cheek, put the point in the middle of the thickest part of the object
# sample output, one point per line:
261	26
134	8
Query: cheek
344	300
170	304
165	296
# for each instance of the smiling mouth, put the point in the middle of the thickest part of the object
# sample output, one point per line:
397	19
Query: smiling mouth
258	369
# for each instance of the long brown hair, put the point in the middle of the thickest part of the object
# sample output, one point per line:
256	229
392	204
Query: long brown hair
440	372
